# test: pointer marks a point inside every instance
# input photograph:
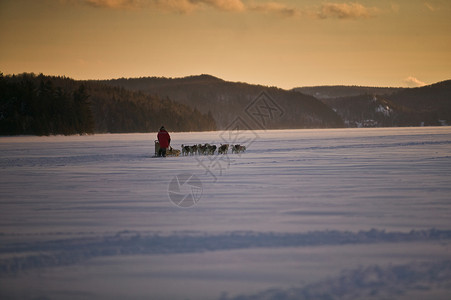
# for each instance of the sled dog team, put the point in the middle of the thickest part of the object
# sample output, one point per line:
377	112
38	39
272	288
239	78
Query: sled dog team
208	149
163	147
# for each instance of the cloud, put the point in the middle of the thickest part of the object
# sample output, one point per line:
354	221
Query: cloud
187	6
395	7
351	10
226	5
413	82
182	6
274	7
116	4
430	6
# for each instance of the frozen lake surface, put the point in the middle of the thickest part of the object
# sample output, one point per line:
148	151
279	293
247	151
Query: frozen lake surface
302	214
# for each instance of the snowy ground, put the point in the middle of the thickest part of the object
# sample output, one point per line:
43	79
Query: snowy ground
303	214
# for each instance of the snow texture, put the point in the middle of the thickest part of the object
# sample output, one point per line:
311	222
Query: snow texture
301	214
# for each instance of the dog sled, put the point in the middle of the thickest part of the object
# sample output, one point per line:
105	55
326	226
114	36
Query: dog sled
169	152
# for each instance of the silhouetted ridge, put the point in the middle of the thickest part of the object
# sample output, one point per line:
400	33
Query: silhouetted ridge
378	107
43	105
226	101
338	91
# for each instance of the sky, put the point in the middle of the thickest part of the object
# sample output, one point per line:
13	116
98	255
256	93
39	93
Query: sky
284	43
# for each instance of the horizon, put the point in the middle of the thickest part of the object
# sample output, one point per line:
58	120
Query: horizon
284	43
219	78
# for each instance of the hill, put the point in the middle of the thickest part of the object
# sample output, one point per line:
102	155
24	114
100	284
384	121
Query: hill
258	107
340	91
43	105
428	105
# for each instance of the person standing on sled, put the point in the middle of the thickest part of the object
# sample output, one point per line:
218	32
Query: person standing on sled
165	140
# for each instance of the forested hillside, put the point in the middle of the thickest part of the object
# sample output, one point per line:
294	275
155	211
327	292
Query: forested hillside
227	101
119	110
44	105
428	106
341	91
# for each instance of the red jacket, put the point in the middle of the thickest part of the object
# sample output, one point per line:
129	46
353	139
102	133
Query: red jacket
164	138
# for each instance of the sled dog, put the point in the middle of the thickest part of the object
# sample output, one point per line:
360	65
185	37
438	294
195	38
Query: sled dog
238	149
223	149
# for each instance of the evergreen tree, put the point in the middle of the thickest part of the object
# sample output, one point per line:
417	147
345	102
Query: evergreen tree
44	105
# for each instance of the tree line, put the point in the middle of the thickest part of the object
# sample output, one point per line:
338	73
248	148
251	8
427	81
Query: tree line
48	105
31	104
228	100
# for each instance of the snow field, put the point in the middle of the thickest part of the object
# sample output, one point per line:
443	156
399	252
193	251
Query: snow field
90	216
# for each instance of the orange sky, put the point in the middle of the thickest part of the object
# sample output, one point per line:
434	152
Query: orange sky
283	43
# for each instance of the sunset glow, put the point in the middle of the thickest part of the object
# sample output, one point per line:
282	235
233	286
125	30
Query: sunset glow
283	43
